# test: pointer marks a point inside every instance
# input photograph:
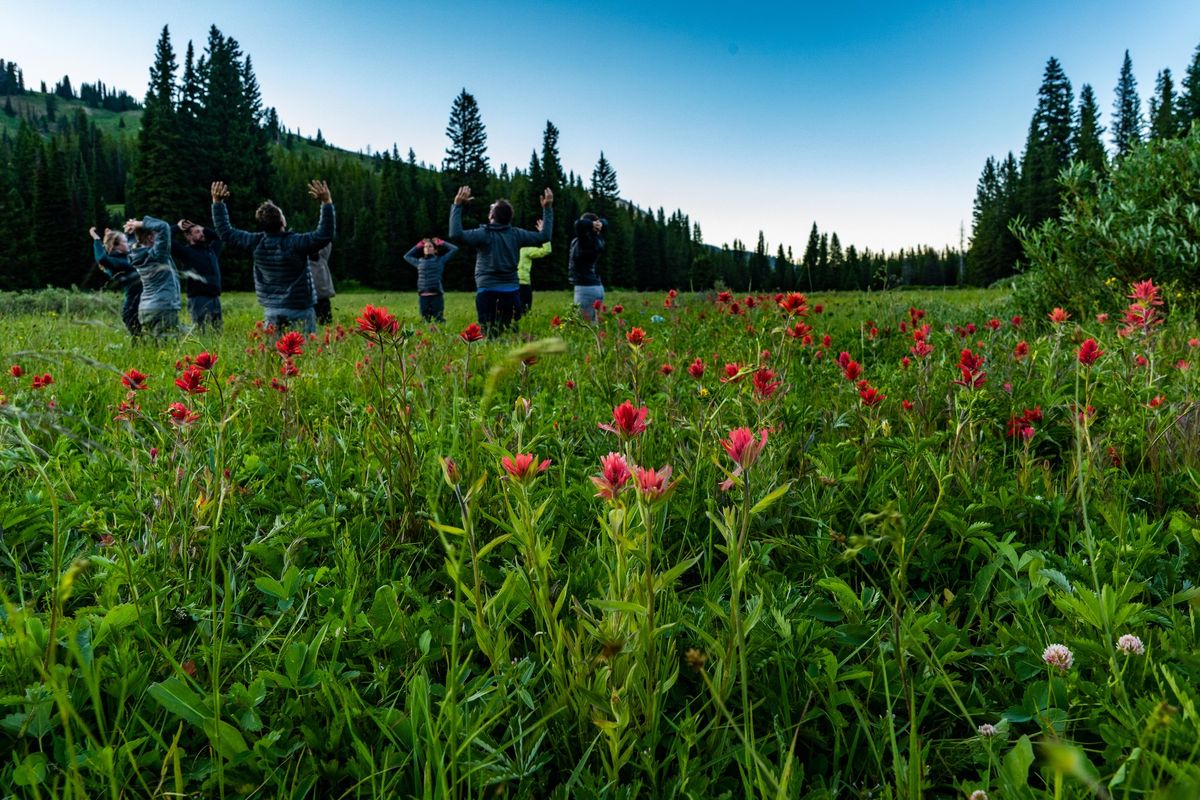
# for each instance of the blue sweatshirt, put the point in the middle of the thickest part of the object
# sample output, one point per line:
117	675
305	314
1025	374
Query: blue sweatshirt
429	270
116	267
499	248
160	284
281	276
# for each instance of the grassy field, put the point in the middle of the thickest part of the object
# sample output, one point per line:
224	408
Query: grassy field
899	545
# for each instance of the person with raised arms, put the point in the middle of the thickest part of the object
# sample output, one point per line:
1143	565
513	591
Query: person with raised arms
282	280
197	258
430	256
158	308
498	245
112	257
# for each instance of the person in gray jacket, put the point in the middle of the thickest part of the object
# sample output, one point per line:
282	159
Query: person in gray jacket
429	257
282	281
498	249
158	309
318	267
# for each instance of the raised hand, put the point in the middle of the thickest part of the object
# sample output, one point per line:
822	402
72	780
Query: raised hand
184	224
92	232
320	191
219	192
539	225
463	197
547	198
132	226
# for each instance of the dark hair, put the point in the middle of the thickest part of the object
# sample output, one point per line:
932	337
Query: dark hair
269	217
502	212
589	217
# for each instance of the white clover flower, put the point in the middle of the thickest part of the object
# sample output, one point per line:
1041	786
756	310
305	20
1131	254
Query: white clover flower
1058	656
1131	645
987	730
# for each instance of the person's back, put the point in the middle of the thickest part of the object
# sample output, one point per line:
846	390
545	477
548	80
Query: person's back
497	286
152	260
586	249
283	283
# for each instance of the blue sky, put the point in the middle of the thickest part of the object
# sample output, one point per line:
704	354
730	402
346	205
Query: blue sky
871	119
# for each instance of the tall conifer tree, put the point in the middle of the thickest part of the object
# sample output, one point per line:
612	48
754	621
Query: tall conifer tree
1189	98
1163	108
466	161
1127	110
1086	146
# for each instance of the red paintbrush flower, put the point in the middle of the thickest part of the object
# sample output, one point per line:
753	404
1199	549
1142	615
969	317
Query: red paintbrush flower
471	333
134	380
614	474
654	485
1089	352
696	369
765	384
291	344
627	420
205	361
192	380
524	467
180	415
377	321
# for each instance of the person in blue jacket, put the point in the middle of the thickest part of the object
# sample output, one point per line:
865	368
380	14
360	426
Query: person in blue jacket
498	250
158	309
282	280
112	257
429	256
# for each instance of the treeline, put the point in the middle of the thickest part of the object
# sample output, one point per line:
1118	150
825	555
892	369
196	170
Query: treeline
207	122
1062	131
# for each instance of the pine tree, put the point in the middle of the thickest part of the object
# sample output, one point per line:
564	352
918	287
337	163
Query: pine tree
54	221
1163	121
811	256
1086	146
466	162
552	169
1189	98
604	187
158	179
1048	145
1127	110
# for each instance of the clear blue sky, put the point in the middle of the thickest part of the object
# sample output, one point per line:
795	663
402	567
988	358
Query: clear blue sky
871	119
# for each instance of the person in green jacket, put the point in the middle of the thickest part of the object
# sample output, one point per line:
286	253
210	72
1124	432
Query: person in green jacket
525	267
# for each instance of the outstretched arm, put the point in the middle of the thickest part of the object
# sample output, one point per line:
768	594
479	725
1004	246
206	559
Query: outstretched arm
314	241
476	237
220	215
542	235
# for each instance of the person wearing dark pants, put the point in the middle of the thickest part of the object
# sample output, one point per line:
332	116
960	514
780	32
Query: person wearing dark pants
525	270
498	245
430	256
196	256
586	249
112	257
318	266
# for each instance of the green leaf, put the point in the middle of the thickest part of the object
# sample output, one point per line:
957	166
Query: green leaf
623	606
769	500
225	738
1014	774
268	585
118	617
32	770
174	695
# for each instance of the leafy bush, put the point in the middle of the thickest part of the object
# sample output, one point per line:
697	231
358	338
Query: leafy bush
1141	221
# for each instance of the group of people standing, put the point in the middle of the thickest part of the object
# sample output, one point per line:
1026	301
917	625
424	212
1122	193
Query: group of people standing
292	281
291	270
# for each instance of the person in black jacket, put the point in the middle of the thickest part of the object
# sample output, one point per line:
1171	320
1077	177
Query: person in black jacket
196	257
282	281
586	249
